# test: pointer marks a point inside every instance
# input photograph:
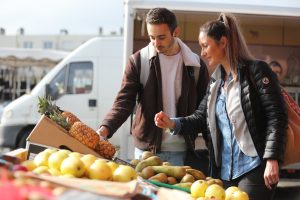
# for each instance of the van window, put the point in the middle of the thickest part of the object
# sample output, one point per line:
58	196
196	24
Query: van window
80	78
56	87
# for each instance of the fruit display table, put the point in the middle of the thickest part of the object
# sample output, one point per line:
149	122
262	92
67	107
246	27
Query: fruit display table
58	174
19	186
18	183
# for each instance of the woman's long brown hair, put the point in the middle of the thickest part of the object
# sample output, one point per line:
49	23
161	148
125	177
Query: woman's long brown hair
226	25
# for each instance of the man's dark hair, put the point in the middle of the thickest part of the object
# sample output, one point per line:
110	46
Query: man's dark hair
162	16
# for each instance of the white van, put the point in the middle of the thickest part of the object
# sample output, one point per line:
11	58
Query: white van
85	83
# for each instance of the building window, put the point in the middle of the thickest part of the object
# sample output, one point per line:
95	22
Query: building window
48	45
66	45
28	44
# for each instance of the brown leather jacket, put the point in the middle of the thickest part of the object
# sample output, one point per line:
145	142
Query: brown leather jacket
146	135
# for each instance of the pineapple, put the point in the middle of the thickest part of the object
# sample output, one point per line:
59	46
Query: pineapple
60	120
48	108
84	134
69	122
105	149
71	118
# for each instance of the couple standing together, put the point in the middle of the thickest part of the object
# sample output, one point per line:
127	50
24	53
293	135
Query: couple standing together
239	110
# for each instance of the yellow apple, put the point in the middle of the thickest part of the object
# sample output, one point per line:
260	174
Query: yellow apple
29	164
72	165
198	188
124	173
113	166
88	160
41	159
54	172
76	154
100	171
215	191
229	191
50	150
55	159
64	151
239	195
41	170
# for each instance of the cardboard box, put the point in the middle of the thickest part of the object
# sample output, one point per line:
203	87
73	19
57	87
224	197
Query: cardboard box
33	149
20	153
47	134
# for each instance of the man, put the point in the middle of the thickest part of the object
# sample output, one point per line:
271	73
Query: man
170	86
277	69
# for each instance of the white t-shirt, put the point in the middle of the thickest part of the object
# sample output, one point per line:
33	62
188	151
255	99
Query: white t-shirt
171	74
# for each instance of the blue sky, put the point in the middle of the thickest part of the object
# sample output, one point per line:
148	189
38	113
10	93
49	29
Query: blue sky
50	16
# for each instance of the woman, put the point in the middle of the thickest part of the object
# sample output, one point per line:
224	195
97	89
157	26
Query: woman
242	117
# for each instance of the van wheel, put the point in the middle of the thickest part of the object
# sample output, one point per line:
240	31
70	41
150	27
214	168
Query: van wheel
22	138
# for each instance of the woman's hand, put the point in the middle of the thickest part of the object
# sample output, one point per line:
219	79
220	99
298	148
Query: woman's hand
162	120
271	174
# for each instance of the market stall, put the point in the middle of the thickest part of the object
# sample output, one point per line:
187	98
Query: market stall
65	158
21	69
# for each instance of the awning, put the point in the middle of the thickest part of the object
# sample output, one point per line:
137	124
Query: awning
20	57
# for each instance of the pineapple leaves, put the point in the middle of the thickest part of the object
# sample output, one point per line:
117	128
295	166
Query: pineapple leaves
47	107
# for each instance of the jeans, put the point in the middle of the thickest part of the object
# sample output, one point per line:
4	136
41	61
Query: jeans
253	183
175	158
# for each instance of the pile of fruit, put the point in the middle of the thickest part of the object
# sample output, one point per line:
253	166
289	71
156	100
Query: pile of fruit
15	184
75	128
201	190
64	163
151	167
